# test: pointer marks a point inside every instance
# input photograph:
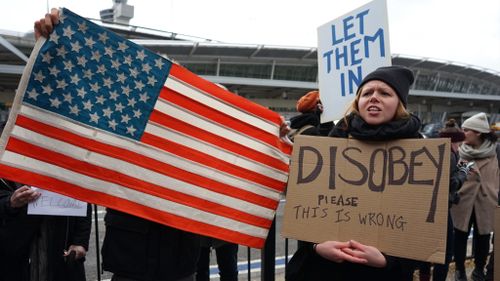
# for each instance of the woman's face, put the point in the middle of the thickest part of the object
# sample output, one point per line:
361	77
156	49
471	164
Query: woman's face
377	102
472	137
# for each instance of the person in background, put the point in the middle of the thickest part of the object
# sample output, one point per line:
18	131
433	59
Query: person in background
39	248
308	121
478	196
378	113
227	259
458	174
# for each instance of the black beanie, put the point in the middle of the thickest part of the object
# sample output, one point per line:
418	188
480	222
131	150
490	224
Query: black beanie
399	78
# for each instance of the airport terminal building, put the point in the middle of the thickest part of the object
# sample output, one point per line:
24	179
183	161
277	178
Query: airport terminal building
276	76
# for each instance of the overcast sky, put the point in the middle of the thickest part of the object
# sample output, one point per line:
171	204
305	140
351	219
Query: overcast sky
463	31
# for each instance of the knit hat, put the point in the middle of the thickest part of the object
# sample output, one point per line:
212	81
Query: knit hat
308	102
452	131
478	123
397	77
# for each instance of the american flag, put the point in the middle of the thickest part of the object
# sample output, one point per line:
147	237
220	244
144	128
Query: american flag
103	120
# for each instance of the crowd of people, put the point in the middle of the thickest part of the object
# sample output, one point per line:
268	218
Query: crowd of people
54	248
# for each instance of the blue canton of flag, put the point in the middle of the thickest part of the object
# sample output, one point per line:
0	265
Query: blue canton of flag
96	77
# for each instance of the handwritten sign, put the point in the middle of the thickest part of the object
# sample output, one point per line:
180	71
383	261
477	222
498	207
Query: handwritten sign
349	48
391	195
50	203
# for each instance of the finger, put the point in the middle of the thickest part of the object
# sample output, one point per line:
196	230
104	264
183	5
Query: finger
54	15
43	28
354	253
48	24
37	29
340	245
356	245
351	258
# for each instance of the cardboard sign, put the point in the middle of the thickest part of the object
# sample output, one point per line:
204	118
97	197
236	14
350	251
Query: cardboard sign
496	269
55	204
391	195
349	48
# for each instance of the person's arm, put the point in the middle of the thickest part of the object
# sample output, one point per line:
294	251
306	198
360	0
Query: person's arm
79	242
11	202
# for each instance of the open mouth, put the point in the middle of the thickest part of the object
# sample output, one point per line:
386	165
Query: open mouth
374	109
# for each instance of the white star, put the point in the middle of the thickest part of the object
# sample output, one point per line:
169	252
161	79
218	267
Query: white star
68	65
75	46
39	76
107	112
139	85
131	130
113	95
32	94
74	110
100	99
75	79
62	18
112	124
151	80
125	118
131	102
82	27
103	37
55	102
89	42
87	105
109	51
159	63
61	84
115	64
107	82
88	74
96	56
126	90
121	77
101	69
119	107
128	60
122	46
47	90
54	71
134	72
81	92
68	98
46	57
144	97
54	37
61	51
94	117
95	87
141	55
68	32
146	67
137	113
81	60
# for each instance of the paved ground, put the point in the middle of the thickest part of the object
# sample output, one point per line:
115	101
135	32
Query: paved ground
243	256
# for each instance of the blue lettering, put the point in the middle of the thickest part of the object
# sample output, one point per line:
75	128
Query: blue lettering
339	56
335	41
354	52
347	26
328	56
361	21
353	78
380	35
342	84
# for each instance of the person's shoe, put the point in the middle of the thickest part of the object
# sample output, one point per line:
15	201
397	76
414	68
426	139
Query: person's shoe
460	276
478	275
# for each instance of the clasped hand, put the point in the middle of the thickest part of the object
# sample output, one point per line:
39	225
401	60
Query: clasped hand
351	251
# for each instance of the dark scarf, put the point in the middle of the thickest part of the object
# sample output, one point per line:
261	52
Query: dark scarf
357	128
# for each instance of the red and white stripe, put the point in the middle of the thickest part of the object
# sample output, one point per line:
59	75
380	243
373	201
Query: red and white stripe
209	162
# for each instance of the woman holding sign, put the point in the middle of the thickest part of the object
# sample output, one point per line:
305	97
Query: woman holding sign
377	113
478	195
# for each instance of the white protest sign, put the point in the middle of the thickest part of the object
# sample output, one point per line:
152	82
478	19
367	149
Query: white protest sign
349	48
50	203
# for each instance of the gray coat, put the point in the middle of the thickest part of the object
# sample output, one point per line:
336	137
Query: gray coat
479	192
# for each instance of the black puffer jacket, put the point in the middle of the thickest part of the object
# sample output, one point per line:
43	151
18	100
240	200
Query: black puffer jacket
139	249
